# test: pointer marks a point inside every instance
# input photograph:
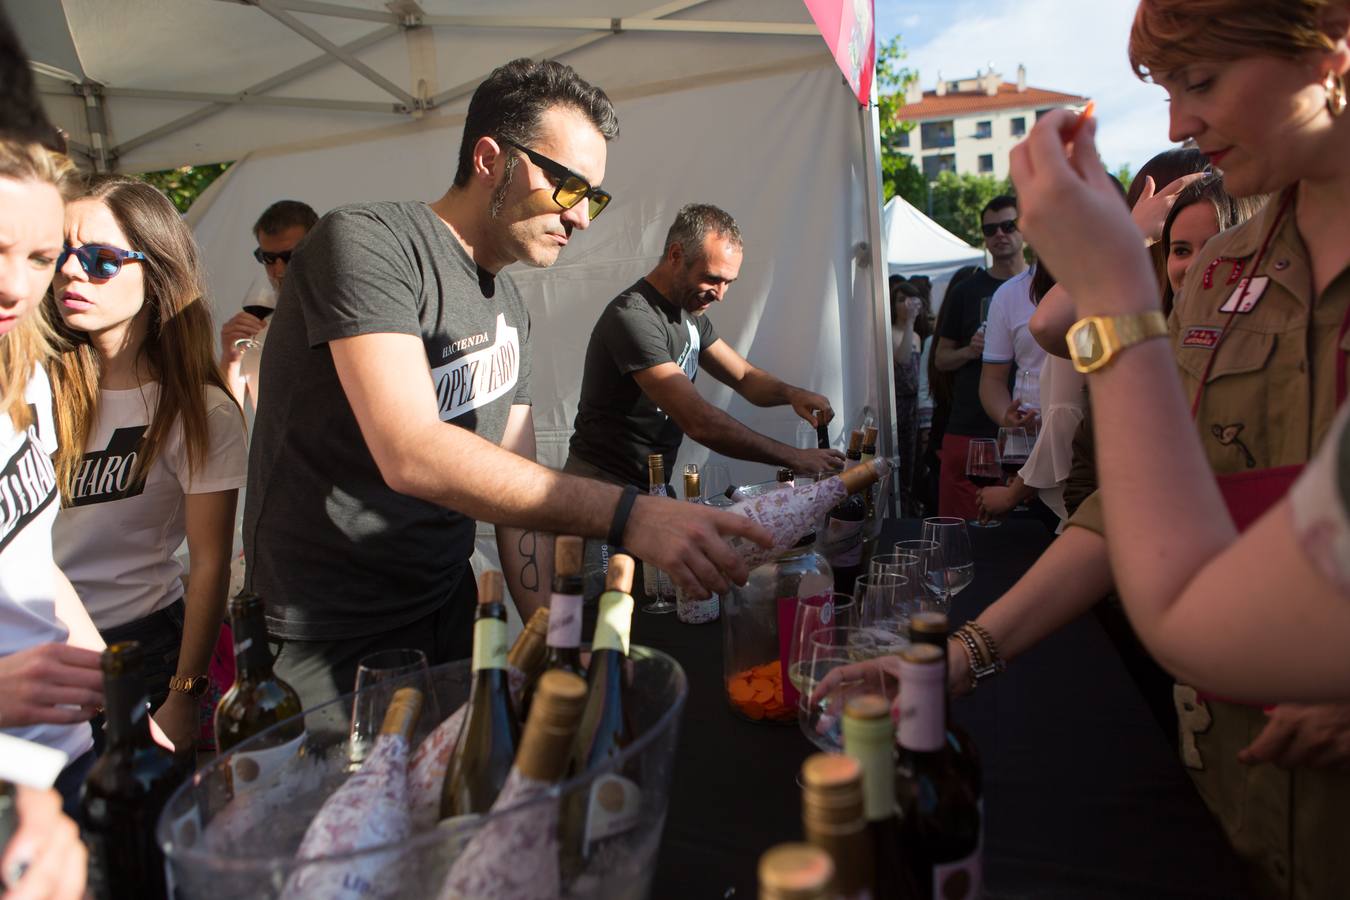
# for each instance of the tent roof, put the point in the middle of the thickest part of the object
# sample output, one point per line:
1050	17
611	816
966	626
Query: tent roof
915	242
195	81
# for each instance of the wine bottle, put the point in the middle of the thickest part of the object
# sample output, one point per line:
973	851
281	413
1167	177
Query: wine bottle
127	787
687	609
487	748
656	584
610	806
833	820
564	620
932	628
822	432
515	856
256	701
938	802
426	770
795	872
844	530
869	738
789	515
369	810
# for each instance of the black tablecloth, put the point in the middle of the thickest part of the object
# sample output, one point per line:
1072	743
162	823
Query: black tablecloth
1083	797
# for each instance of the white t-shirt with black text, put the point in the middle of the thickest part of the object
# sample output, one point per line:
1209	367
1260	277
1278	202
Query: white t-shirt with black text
116	539
28	503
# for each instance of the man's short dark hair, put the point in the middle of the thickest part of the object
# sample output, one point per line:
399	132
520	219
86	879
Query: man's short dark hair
998	204
695	222
510	103
21	115
285	214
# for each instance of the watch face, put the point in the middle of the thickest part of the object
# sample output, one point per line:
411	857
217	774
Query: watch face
1086	343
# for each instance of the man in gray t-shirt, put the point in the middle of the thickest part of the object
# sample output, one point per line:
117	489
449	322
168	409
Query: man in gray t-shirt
397	410
637	389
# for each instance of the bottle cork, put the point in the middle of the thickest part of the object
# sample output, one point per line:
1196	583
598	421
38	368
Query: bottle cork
404	710
855	442
490	587
620	575
555	713
795	872
527	653
861	476
567	554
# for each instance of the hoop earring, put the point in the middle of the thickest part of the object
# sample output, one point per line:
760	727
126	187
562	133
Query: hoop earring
1336	98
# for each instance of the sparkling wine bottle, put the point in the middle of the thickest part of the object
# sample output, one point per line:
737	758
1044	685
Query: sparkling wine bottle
485	751
689	610
369	810
426	771
564	621
127	787
610	806
833	820
515	856
938	801
869	738
789	515
932	628
786	477
256	701
657	586
795	872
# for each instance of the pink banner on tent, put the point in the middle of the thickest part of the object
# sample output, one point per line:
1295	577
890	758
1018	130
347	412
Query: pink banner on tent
847	26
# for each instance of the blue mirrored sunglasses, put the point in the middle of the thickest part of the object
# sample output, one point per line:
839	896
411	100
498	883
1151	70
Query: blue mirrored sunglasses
99	260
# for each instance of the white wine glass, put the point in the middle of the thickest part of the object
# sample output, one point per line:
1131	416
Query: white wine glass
880	600
378	675
927	554
814	614
854	652
952	567
716	479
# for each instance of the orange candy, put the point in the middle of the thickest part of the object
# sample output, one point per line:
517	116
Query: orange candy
757	693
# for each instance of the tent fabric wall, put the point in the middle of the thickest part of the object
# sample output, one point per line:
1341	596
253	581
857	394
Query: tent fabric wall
799	309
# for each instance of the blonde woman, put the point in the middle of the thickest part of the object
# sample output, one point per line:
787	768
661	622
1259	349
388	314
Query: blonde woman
152	443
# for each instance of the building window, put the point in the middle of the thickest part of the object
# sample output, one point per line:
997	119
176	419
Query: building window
937	135
1019	126
984	129
987	164
938	163
904	138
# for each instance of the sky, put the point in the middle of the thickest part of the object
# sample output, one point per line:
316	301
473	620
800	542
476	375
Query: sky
1074	46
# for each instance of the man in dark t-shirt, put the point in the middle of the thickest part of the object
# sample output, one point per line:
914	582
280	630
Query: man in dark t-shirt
637	388
397	409
960	349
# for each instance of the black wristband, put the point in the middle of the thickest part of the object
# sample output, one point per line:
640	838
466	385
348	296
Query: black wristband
619	523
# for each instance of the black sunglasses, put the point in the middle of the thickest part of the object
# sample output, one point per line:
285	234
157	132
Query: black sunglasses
572	188
98	260
267	259
992	228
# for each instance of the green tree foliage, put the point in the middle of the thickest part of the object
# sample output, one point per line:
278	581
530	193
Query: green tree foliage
185	184
1126	176
958	199
899	174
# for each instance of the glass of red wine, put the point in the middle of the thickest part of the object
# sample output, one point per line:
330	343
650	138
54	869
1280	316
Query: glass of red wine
260	301
1014	446
984	469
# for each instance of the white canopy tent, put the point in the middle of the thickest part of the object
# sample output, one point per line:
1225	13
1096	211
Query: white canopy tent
916	245
735	102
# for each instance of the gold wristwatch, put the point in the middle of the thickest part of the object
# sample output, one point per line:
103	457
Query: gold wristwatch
192	685
1095	341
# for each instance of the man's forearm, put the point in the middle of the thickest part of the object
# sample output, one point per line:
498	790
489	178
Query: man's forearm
764	389
949	359
718	431
527	563
995	399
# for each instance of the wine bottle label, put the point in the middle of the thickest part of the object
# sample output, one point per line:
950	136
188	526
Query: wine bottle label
922	728
255	769
489	644
696	612
960	880
612	809
615	623
564	620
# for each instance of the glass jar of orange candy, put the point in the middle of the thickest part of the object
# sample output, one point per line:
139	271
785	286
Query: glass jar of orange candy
757	623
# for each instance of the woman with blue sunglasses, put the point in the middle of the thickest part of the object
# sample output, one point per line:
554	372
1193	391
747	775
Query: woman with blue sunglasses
152	443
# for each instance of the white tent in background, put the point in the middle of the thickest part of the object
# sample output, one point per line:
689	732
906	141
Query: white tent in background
916	245
735	102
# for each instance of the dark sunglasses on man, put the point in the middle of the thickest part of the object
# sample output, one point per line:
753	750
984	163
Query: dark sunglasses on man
267	259
992	228
572	188
98	260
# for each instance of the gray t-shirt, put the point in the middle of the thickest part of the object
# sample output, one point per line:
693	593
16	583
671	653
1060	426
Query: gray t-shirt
617	425
331	548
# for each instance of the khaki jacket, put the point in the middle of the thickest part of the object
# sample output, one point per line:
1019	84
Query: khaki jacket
1270	396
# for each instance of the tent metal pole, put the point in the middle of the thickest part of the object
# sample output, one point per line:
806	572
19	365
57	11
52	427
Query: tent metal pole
870	122
251	99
